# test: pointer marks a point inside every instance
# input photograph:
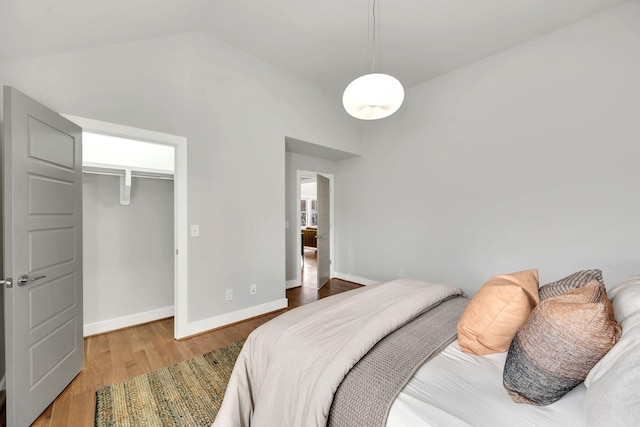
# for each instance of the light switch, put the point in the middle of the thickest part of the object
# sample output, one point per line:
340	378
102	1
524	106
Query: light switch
195	230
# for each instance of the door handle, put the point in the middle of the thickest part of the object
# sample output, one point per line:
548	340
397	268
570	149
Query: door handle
22	280
8	282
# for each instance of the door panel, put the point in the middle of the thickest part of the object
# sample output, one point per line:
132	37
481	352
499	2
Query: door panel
51	350
42	223
324	230
50	299
49	144
40	186
50	247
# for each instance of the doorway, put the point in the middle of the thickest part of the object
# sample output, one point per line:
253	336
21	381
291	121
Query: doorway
179	250
309	216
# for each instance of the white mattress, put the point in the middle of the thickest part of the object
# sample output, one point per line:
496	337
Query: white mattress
460	389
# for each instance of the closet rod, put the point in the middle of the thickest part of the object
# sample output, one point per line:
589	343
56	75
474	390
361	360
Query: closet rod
133	174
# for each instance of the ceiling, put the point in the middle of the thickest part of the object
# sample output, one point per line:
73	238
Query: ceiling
325	42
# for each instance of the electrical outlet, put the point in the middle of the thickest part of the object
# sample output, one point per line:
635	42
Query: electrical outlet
195	230
228	295
401	273
253	289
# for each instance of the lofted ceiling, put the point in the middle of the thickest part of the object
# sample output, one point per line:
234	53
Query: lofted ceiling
325	42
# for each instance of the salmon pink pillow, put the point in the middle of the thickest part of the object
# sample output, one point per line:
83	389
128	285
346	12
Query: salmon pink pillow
497	311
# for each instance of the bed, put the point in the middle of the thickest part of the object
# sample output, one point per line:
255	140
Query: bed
461	389
391	354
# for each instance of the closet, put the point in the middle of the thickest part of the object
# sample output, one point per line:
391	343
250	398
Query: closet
128	232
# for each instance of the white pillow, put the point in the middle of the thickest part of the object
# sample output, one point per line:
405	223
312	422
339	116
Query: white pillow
612	397
625	299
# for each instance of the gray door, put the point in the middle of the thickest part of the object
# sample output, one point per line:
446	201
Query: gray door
42	223
324	230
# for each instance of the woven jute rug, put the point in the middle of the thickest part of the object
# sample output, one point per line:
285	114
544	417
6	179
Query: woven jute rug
188	393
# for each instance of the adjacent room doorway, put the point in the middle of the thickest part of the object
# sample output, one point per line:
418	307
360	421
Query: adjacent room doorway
315	222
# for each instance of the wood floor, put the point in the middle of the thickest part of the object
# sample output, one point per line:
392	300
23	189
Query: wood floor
310	267
115	356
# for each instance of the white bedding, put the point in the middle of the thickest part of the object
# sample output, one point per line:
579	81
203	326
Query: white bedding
461	389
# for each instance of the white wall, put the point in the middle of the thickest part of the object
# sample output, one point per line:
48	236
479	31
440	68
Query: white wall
528	159
235	111
128	252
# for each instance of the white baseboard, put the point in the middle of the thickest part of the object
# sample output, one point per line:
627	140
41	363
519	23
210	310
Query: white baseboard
3	383
126	321
355	279
200	326
292	283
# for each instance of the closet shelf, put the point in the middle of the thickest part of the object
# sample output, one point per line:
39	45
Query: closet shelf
126	173
119	170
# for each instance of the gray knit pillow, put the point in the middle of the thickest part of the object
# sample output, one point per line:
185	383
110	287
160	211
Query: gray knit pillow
573	281
563	339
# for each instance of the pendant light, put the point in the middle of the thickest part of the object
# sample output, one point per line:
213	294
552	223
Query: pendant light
373	96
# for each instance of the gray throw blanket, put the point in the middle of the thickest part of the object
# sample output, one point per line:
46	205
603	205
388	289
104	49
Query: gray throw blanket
365	395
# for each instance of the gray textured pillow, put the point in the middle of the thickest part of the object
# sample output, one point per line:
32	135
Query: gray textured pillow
576	280
563	339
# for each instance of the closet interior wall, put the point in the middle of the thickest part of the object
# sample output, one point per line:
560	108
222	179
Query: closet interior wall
128	252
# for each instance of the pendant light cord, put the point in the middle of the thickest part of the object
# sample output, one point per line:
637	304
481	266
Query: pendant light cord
373	41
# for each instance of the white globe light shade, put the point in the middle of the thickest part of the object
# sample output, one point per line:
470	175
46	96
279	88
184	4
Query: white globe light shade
373	96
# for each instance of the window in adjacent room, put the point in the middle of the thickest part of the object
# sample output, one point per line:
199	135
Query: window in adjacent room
308	212
303	213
